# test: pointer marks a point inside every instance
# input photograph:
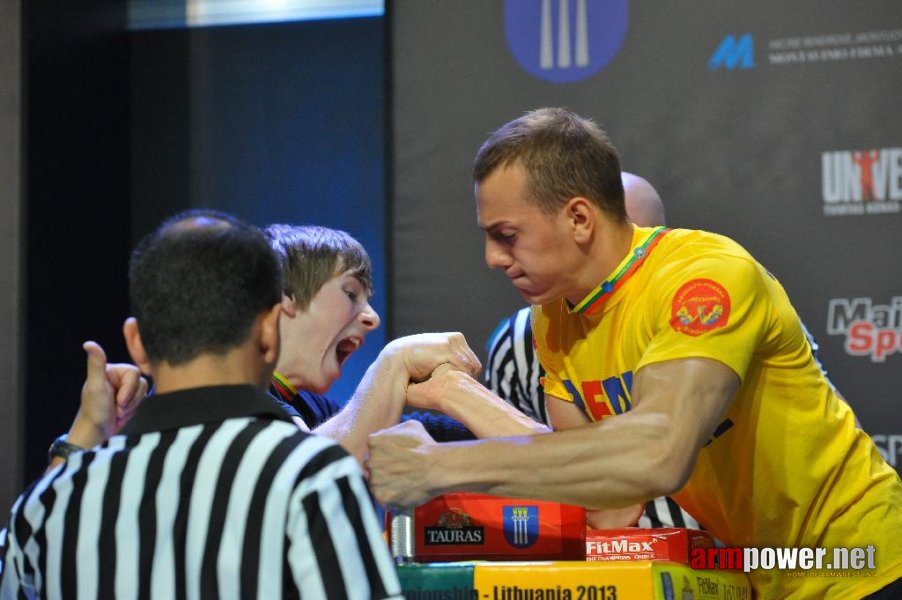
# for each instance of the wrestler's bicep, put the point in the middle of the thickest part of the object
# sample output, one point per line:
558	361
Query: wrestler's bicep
564	414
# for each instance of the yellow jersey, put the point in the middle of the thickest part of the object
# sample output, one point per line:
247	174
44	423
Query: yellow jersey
786	467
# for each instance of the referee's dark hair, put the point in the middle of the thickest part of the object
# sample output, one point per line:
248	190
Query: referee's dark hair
198	283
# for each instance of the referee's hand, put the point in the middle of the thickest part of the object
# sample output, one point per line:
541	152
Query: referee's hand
109	397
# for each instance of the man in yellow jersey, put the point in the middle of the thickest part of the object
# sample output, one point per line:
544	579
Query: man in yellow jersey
676	366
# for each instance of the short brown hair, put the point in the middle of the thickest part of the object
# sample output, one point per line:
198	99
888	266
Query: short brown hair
312	255
564	156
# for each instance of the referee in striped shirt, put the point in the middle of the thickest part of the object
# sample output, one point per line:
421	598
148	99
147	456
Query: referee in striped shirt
210	491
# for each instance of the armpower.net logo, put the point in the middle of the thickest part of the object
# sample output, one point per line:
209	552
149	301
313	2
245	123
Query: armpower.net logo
839	562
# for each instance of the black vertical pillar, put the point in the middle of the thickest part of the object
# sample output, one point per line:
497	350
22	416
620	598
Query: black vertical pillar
76	113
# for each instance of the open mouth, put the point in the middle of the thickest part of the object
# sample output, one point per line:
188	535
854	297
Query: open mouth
346	347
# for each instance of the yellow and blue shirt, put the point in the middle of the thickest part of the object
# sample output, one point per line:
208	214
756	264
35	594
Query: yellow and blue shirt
786	467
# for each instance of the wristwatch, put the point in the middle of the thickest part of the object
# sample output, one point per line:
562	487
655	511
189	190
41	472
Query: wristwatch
60	447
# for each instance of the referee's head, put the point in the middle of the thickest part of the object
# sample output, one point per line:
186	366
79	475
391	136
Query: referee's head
204	288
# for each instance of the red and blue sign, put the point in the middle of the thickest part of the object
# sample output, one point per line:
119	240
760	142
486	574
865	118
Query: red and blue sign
521	525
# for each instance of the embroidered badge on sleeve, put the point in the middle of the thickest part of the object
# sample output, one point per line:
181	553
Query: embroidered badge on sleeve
699	306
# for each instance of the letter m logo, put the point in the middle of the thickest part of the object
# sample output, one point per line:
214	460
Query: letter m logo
733	53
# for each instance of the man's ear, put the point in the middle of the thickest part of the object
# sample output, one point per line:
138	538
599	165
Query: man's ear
269	332
580	218
135	345
288	305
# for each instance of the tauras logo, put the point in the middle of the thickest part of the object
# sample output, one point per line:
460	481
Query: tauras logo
455	528
858	182
467	535
871	329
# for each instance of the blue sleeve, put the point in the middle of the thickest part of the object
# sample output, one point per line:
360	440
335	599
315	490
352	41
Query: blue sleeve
441	427
316	409
289	409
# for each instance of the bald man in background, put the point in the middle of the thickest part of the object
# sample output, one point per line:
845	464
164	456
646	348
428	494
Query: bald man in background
643	203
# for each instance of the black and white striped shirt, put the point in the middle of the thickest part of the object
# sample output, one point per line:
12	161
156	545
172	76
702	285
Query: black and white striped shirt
513	370
515	374
209	493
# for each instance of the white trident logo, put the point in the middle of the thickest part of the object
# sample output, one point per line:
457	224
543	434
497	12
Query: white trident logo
565	58
520	517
